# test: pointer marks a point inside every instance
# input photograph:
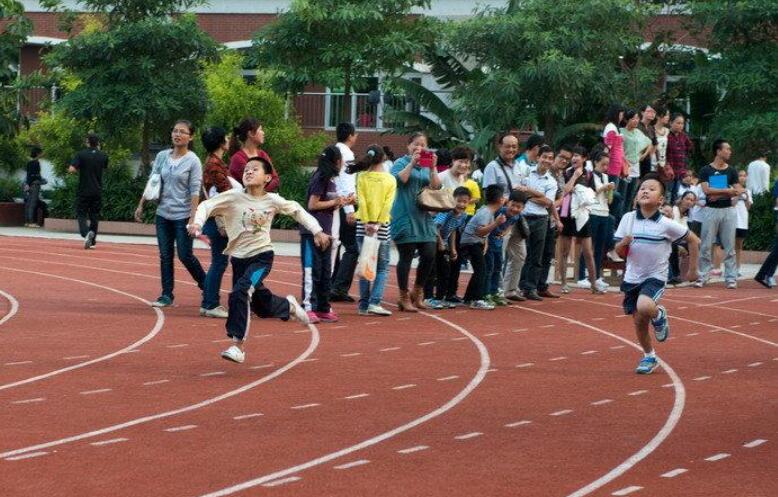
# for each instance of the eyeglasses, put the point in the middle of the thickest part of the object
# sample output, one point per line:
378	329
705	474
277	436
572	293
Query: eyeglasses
180	132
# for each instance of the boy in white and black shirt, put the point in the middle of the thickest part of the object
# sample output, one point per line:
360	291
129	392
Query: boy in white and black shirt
645	238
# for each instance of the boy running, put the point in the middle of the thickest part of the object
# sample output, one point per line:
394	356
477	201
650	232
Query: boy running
247	216
646	236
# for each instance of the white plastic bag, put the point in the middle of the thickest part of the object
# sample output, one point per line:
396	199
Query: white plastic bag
153	186
368	258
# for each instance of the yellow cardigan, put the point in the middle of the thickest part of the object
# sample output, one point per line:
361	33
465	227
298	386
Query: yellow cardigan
375	196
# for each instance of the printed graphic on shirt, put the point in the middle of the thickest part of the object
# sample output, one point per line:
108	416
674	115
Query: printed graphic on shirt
255	221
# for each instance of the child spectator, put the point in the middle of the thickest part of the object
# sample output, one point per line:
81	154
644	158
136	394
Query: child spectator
742	205
680	214
600	218
447	257
493	262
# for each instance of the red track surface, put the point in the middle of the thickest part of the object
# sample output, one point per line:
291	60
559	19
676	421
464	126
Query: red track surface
102	395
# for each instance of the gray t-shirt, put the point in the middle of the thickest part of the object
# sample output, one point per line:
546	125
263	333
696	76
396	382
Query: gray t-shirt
481	218
181	180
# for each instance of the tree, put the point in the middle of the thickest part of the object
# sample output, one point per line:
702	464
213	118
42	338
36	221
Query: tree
13	34
544	64
142	69
743	69
337	42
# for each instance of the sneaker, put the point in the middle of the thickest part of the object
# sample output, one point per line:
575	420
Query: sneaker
312	317
499	300
585	284
451	304
612	255
363	312
699	283
515	297
565	289
765	282
547	294
296	311
661	324
434	304
234	354
731	285
771	281
533	295
217	312
327	317
675	281
455	300
90	240
162	301
602	284
647	365
481	304
378	310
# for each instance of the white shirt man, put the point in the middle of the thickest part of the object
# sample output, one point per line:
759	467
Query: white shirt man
758	180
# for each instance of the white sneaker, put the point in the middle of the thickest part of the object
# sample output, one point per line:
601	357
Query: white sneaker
602	285
612	255
584	284
217	312
296	311
378	310
234	354
481	304
699	283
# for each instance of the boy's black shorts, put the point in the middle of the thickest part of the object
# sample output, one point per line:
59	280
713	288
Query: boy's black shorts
651	288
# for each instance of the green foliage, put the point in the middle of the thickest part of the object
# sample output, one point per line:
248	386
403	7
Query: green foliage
294	186
60	137
10	188
761	223
232	98
744	72
12	155
546	63
119	11
13	33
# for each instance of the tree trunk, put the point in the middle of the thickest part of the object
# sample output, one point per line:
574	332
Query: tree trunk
549	127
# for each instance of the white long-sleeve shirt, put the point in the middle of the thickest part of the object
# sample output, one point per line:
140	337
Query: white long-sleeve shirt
247	219
345	183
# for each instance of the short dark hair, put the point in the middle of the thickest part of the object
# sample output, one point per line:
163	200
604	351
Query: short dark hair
517	196
493	193
35	152
462	190
462	152
629	114
580	150
444	157
718	145
566	147
655	177
266	166
343	131
544	149
213	138
534	141
93	140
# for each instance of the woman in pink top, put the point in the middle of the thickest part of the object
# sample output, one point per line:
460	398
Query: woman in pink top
612	138
247	138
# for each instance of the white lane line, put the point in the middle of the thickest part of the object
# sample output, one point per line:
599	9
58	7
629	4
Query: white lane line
735	326
403	319
602	402
156	382
458	339
656	441
338	327
389	349
74	357
668	385
683	307
637	392
353	464
754	323
468	436
371	323
701	378
617	347
305	406
560	358
717	457
693	334
460	312
151	334
411	450
561	413
222	340
518	330
403	387
755	364
674	473
93	392
627	490
181	345
589	352
598	319
357	396
262	366
14	307
181	428
525	365
247	416
755	443
28	455
352	354
448	378
422	344
18	363
296	332
213	373
283	481
29	401
453	402
548	326
313	359
313	344
729	371
492	334
492	370
518	423
108	442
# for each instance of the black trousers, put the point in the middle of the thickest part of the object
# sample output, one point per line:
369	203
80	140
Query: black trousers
345	267
549	249
426	260
88	206
316	275
250	294
439	283
532	271
475	287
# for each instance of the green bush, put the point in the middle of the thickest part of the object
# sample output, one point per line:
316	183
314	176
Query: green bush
10	188
761	223
12	156
294	186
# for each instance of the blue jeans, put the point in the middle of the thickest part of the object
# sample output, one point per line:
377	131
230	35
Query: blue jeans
602	234
213	279
371	293
493	268
170	233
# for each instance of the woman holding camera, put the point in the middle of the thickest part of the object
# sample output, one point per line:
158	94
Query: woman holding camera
413	229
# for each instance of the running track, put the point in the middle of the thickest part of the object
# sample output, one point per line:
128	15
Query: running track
103	395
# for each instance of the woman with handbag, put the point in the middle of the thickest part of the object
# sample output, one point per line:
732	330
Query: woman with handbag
413	228
179	174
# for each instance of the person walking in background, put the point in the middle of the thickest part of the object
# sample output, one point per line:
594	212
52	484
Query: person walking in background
376	190
742	205
345	229
766	274
89	163
759	175
32	185
247	140
216	180
181	174
413	229
679	151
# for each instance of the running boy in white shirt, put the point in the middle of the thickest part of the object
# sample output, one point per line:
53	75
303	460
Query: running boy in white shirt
247	216
645	238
